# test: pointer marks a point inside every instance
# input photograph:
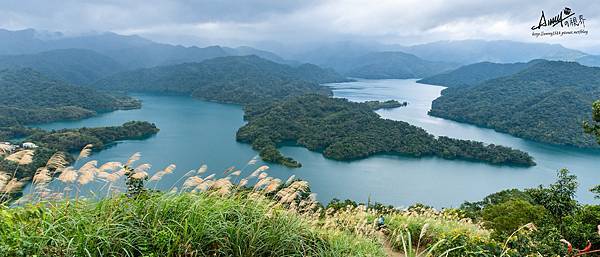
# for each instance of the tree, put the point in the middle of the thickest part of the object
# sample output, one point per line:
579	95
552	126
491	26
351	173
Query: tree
507	217
593	128
558	198
596	190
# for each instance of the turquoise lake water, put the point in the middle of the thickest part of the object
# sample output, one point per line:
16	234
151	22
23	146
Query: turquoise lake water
197	132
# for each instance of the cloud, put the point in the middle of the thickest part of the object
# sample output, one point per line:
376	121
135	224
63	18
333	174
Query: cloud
300	21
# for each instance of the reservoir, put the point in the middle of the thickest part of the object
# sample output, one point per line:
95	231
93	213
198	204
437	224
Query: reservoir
194	132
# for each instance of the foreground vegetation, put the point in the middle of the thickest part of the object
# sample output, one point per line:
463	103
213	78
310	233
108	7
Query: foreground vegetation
344	130
249	213
171	225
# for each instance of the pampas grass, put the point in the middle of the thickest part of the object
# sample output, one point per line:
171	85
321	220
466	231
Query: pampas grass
85	152
135	157
5	148
23	157
42	177
68	175
202	169
57	161
111	166
12	186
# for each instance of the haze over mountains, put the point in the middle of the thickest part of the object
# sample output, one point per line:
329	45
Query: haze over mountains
114	52
129	51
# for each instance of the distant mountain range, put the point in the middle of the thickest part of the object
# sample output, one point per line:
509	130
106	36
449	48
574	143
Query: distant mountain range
547	101
500	51
234	79
372	60
459	51
114	53
130	52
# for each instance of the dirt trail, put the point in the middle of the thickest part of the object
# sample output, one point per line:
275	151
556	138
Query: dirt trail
389	250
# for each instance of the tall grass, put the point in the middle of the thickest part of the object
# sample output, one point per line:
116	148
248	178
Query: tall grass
235	215
188	224
208	216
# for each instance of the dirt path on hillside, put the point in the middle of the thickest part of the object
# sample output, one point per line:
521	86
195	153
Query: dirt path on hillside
389	250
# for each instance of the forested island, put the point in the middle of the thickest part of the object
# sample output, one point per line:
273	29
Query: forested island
233	79
546	102
389	104
343	130
73	140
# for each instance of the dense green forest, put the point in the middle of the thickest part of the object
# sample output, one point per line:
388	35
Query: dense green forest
236	79
344	130
77	66
546	102
73	140
30	97
476	73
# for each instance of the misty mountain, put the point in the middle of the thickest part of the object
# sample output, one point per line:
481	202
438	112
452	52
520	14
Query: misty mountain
476	73
131	52
395	65
501	51
546	102
372	61
77	66
234	79
589	60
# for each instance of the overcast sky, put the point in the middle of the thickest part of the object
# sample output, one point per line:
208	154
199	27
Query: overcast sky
256	22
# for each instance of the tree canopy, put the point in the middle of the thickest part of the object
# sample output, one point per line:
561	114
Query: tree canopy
545	102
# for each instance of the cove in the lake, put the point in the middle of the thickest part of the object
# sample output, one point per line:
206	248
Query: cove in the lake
195	132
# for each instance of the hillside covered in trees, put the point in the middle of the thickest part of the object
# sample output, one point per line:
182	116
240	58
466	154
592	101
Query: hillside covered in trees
546	102
476	73
30	97
76	66
344	130
236	79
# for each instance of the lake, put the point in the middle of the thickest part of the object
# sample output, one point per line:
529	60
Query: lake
195	132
